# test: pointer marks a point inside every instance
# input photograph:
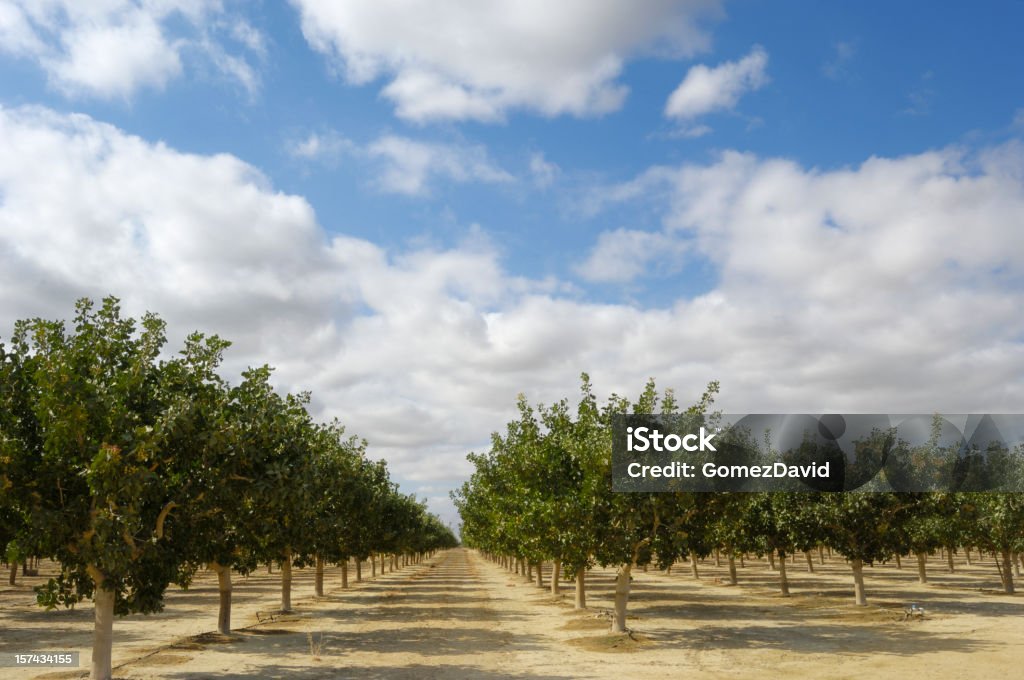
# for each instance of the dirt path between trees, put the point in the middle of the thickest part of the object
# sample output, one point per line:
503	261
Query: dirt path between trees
460	616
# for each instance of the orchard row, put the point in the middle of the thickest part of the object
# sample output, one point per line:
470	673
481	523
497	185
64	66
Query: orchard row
133	471
544	493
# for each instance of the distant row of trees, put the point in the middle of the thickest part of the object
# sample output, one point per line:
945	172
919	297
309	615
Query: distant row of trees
544	493
133	471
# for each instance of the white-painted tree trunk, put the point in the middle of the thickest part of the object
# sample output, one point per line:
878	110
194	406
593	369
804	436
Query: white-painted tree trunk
224	595
621	598
103	629
858	582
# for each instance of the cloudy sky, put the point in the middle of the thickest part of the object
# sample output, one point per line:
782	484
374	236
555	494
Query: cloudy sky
419	209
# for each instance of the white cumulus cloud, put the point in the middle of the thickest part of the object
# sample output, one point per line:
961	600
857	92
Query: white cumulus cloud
706	89
112	49
475	60
624	254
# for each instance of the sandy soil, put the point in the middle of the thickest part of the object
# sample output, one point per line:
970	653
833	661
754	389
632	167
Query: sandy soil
460	616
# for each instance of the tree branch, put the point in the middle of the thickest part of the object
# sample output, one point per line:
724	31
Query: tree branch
159	532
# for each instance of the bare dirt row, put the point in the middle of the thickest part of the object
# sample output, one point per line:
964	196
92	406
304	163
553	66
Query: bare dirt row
461	616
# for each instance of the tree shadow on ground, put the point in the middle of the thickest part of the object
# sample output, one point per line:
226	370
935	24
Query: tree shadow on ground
317	671
819	639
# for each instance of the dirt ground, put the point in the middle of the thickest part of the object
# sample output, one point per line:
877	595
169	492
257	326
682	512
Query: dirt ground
460	616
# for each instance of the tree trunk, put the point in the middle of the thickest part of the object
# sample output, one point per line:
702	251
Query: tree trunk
373	566
858	582
556	571
581	589
103	629
359	570
693	565
899	562
810	561
1007	574
1016	564
344	574
922	572
224	593
286	582
732	569
540	575
949	560
318	582
771	561
12	579
967	554
718	558
821	555
621	598
783	581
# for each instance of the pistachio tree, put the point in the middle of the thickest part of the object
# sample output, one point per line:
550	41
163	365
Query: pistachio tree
89	474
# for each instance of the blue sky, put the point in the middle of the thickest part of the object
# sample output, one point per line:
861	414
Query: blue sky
419	212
